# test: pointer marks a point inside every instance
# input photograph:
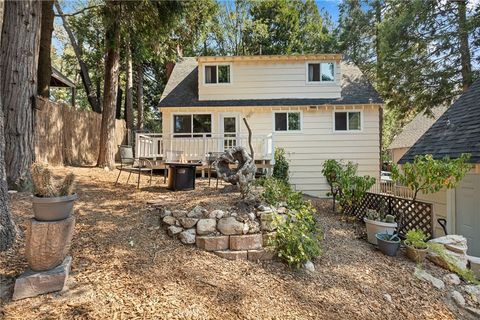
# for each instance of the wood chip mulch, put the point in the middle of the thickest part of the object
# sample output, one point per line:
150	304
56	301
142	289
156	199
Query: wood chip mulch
126	267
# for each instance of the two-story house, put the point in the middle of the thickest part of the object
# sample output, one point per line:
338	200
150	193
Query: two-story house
316	107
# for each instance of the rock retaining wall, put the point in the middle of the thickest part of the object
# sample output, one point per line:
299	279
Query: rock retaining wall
230	235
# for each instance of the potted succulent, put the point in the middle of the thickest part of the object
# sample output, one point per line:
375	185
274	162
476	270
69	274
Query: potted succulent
417	247
52	200
376	222
388	243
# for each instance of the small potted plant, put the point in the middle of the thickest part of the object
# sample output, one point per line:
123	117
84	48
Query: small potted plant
388	243
376	222
417	247
52	200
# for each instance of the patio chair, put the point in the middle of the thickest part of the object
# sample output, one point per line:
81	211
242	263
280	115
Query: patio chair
129	164
171	156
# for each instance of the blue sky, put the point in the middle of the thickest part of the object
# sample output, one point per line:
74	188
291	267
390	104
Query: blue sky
330	6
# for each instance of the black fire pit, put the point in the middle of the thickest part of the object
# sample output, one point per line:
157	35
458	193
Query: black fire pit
181	176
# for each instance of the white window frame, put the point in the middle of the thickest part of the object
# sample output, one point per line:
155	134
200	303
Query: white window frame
348	130
321	82
287	112
191	133
230	65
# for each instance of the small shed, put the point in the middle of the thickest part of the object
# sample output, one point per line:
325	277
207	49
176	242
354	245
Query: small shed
59	80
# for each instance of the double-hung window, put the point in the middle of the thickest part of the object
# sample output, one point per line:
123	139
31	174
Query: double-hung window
288	121
217	74
192	125
321	72
347	121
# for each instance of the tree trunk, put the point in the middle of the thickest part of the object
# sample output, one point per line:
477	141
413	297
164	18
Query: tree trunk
44	58
118	113
106	155
129	91
465	59
378	21
18	83
7	227
87	83
139	96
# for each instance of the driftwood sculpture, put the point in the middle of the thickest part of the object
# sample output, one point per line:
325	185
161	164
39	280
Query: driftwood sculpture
243	174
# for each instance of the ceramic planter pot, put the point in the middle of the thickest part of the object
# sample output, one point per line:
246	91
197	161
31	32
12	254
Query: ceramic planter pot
388	247
416	255
53	209
374	227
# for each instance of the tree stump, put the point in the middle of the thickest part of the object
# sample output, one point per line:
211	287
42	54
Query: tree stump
243	174
48	242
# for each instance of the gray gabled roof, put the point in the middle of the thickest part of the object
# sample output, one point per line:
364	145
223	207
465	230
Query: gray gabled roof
182	90
416	128
457	131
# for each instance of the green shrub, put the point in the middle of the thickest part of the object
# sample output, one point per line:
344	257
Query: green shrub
280	169
332	170
275	191
297	238
416	238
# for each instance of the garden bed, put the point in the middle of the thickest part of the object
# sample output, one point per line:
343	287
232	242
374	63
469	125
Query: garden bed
126	266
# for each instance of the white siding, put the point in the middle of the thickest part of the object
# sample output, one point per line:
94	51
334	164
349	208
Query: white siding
269	80
308	149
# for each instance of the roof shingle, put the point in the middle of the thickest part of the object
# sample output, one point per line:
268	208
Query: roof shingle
182	90
457	131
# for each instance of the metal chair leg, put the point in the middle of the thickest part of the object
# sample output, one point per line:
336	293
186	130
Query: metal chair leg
119	172
138	180
209	174
129	174
164	175
151	177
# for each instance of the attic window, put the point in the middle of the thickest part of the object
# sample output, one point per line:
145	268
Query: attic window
217	74
321	72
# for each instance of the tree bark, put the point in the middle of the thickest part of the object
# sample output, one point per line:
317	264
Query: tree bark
129	90
45	59
18	83
106	155
139	96
118	113
87	83
7	226
465	58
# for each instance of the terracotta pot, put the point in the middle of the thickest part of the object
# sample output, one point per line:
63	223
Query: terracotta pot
374	227
416	255
53	209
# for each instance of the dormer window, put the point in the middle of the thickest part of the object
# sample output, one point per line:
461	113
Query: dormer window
217	74
321	72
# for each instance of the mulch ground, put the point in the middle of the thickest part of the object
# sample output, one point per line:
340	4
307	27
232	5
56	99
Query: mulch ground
126	267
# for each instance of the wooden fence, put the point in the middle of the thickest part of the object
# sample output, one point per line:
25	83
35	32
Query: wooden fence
67	136
410	214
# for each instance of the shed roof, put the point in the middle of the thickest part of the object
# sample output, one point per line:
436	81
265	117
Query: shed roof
182	90
457	131
416	128
58	79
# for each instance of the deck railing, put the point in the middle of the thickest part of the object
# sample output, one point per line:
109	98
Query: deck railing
390	188
197	146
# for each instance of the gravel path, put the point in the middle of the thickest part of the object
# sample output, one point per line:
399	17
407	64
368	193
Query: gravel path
126	267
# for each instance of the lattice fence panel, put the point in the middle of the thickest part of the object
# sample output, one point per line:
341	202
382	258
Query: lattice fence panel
410	214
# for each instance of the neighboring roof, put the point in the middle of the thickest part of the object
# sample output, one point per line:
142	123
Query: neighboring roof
293	57
457	131
182	90
58	79
416	128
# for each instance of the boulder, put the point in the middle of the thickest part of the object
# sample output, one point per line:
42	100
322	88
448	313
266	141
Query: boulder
253	227
187	236
169	220
164	213
206	226
264	208
197	212
474	265
454	252
31	283
473	291
216	214
425	276
309	267
188	223
251	216
230	226
48	242
452	279
174	230
458	298
179	213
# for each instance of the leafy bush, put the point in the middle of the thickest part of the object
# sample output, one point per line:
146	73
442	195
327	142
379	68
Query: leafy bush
416	239
275	191
280	169
297	237
466	274
431	175
332	170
